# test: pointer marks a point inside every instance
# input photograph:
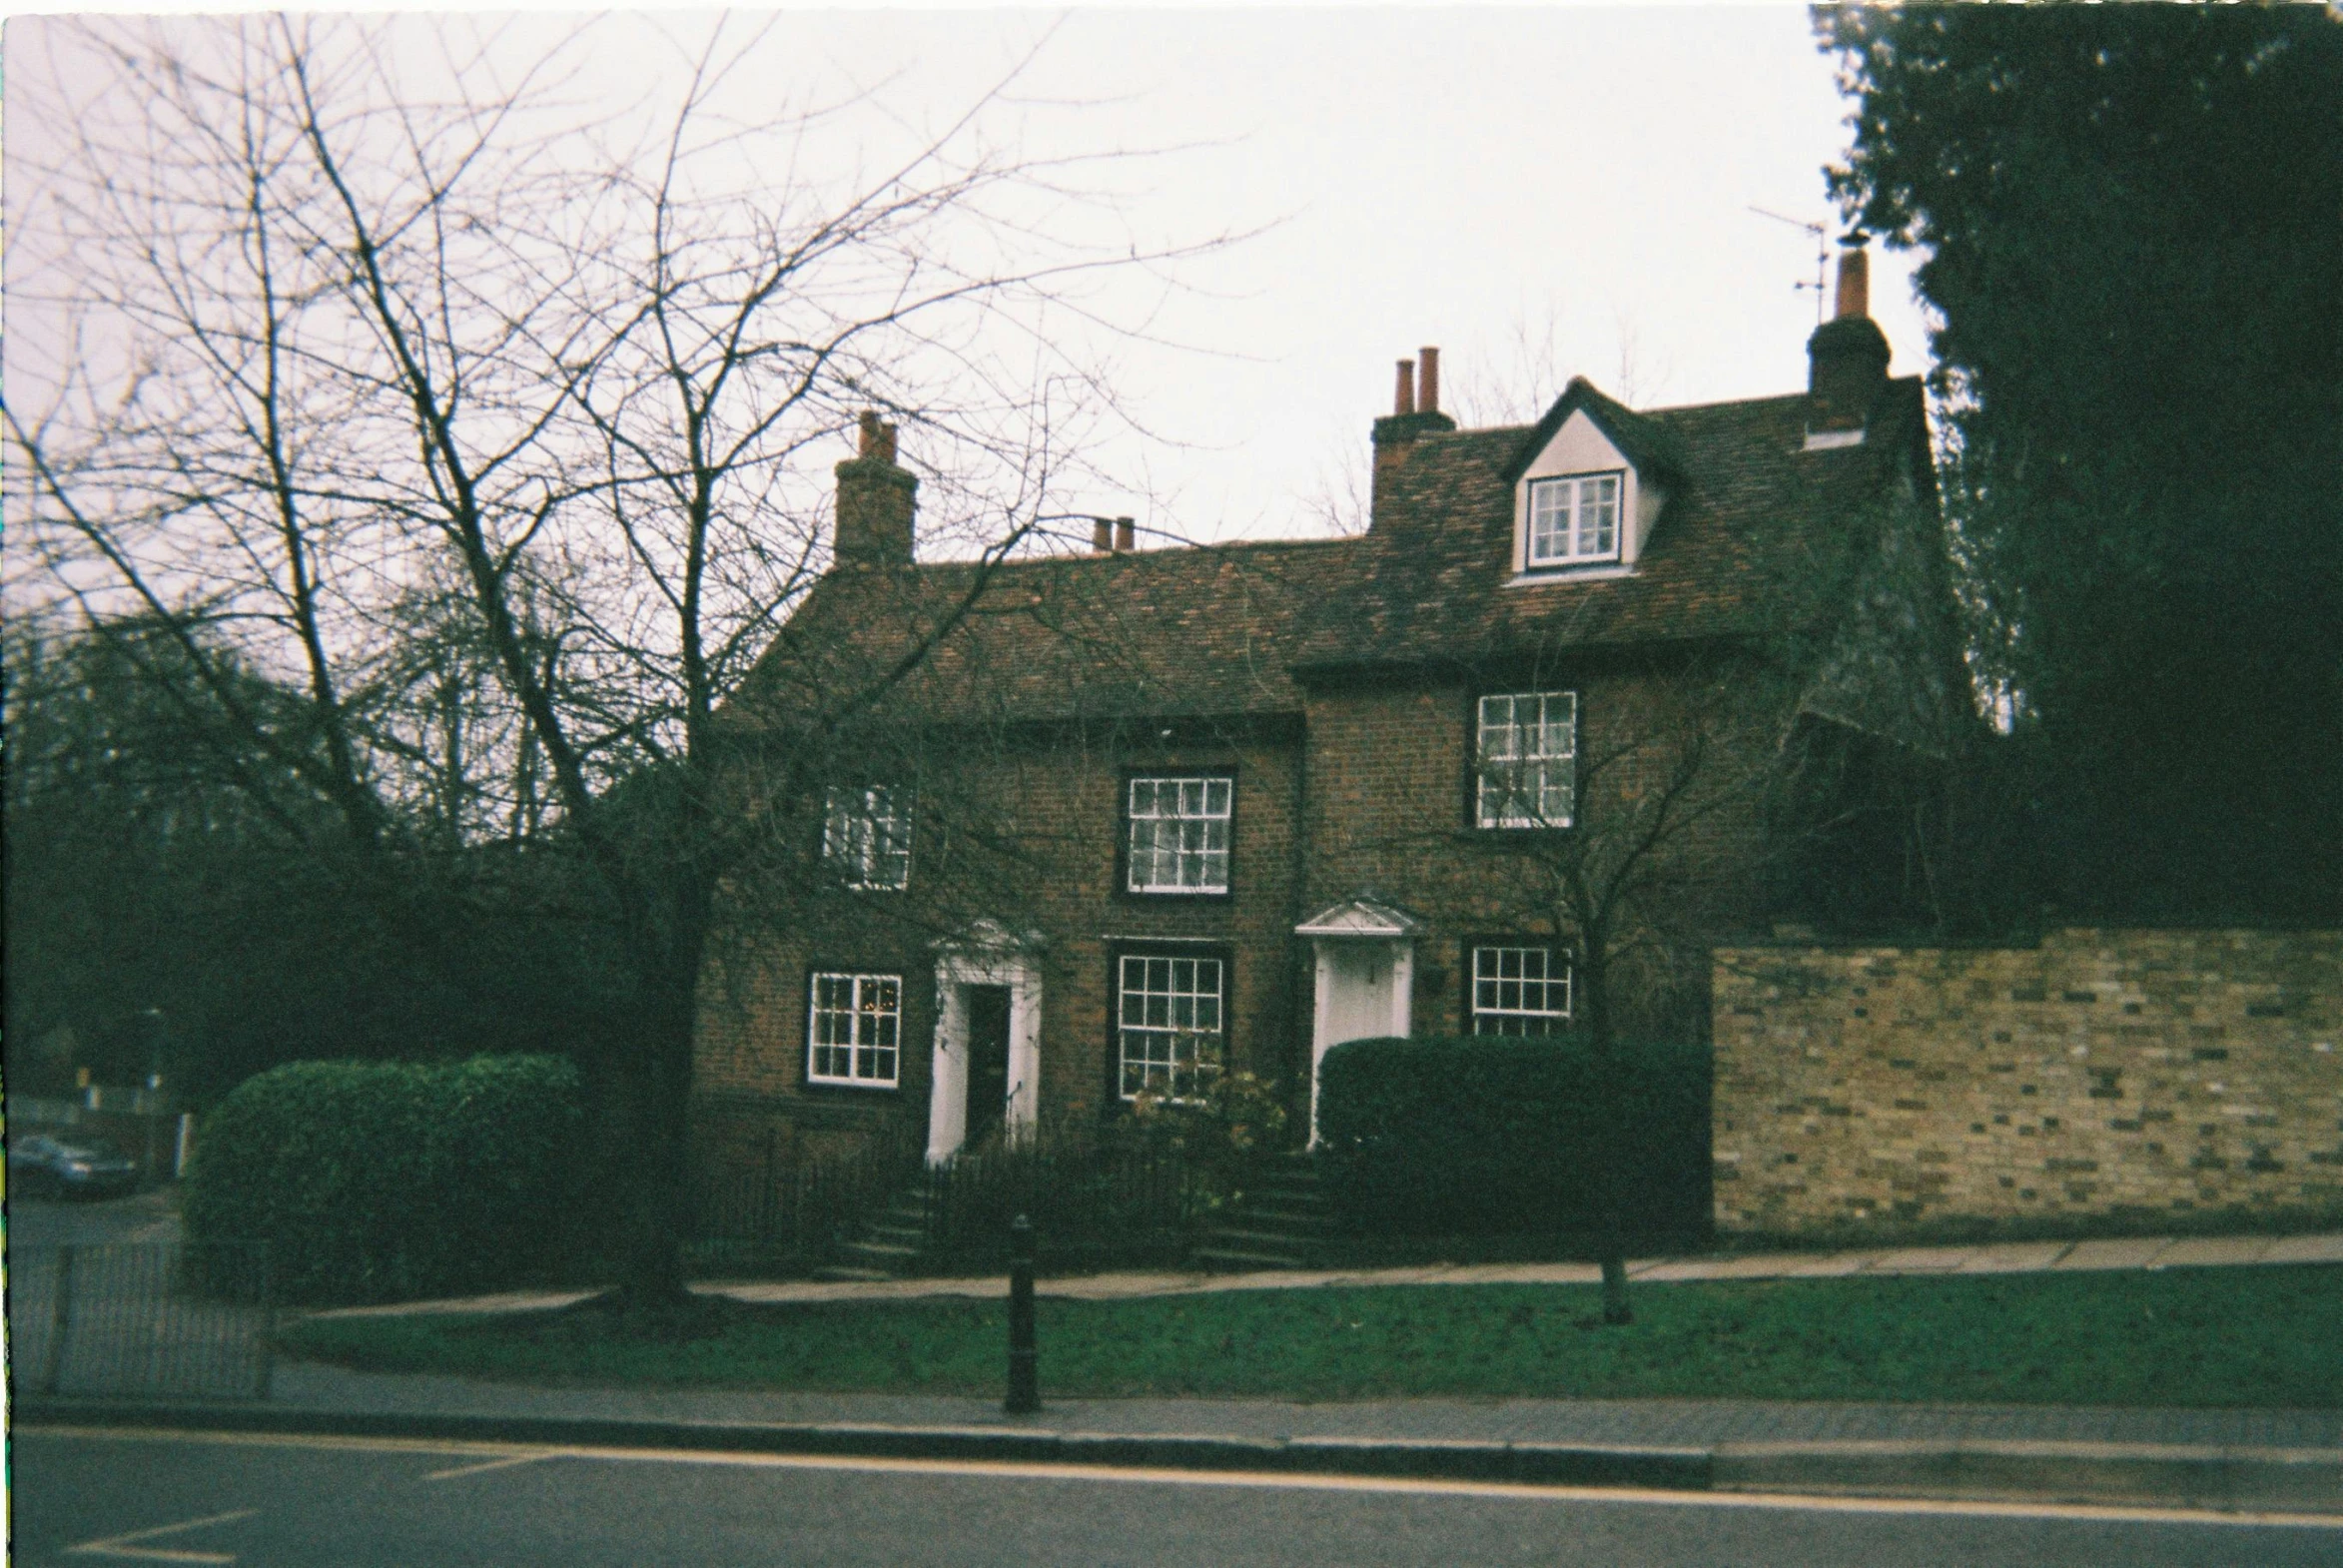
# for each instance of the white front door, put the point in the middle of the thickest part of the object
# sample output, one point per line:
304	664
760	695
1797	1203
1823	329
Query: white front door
1363	985
955	1074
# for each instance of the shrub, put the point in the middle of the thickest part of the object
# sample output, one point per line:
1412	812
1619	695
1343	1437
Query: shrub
1486	1136
374	1181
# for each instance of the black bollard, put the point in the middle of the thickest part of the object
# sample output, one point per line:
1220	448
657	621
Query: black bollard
1024	1384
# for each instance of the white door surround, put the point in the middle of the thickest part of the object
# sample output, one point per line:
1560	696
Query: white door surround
989	955
1365	978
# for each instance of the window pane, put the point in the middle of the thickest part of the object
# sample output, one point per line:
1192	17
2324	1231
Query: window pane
856	1028
1519	990
1168	1028
1526	741
1179	834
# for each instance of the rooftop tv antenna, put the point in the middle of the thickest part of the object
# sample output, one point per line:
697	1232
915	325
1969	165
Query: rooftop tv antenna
1822	254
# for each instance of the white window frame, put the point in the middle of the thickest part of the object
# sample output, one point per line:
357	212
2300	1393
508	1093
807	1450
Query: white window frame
1199	819
1521	998
866	833
1525	768
1182	1006
1574	519
855	1022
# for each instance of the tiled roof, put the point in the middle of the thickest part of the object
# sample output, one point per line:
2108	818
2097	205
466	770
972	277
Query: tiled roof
1751	517
1207	630
1224	630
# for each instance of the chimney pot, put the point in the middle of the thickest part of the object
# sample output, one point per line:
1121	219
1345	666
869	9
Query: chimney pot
1102	536
1855	278
1427	397
876	500
1125	534
1403	401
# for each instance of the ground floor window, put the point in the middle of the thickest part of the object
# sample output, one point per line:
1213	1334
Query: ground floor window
855	1030
1519	990
1170	1024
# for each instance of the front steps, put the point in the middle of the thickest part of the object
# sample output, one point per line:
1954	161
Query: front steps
889	1243
1280	1221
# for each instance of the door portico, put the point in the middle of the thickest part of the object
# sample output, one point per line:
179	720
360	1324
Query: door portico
1365	977
987	956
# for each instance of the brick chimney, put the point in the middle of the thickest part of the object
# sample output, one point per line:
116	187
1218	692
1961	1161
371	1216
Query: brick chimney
1416	411
1847	357
875	502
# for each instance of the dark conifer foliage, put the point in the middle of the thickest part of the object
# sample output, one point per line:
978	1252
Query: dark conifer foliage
2134	224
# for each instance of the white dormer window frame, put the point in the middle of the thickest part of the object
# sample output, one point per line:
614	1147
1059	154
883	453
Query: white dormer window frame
1575	520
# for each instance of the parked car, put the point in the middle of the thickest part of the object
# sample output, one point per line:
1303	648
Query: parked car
71	1166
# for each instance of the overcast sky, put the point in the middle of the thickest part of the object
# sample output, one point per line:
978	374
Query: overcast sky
1541	193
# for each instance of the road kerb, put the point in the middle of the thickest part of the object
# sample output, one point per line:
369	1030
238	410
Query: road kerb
2298	1479
2305	1480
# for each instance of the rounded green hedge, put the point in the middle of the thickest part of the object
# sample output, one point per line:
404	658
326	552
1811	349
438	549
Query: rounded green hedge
379	1180
1488	1135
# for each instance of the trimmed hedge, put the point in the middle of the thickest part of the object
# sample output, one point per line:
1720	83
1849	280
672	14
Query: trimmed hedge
381	1181
1484	1135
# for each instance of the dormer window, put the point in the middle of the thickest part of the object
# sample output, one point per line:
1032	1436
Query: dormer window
1574	521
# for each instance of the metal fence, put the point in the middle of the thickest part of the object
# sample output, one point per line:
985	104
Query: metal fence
793	1213
170	1321
1093	1204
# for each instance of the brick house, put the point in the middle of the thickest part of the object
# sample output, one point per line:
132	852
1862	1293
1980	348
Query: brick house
1092	824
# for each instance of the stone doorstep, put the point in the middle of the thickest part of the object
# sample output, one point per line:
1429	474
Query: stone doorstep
2306	1479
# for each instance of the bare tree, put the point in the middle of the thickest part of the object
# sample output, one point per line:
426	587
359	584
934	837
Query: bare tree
485	419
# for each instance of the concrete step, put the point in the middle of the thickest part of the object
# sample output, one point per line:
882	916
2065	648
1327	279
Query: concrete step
1244	1237
1231	1260
880	1254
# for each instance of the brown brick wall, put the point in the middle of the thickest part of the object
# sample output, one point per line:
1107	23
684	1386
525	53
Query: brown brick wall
2173	1076
1386	771
1390	812
1047	817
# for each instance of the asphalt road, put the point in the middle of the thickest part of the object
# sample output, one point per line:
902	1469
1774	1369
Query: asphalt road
86	1498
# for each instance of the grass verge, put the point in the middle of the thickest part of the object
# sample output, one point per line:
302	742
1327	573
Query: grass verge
2269	1336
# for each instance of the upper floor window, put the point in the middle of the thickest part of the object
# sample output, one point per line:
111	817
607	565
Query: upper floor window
1168	1023
855	1030
866	836
1519	990
1572	520
1179	834
1525	754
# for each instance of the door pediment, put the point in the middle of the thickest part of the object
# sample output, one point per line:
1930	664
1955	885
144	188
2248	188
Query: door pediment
1361	916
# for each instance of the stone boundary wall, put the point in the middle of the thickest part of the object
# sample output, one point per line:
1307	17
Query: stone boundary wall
2106	1079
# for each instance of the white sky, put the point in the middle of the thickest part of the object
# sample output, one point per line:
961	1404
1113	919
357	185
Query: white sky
1540	193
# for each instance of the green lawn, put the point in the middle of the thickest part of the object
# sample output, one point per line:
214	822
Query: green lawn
2229	1336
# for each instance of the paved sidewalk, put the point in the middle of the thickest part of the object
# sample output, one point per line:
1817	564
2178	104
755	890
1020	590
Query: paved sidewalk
1982	1258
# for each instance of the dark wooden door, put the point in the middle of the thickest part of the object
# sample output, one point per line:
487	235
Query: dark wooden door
987	1060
